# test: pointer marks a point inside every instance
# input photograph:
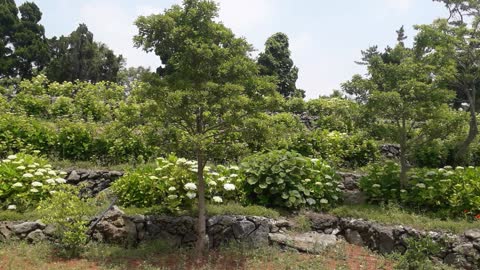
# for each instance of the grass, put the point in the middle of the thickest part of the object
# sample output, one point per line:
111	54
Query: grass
91	165
392	215
156	255
213	210
8	215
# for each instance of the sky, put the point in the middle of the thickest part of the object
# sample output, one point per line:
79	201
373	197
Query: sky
326	37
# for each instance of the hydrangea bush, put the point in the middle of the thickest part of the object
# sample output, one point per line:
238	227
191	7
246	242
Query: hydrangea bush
454	191
173	185
287	179
25	180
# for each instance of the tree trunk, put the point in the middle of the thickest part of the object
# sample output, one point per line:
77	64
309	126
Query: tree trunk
201	226
461	154
403	156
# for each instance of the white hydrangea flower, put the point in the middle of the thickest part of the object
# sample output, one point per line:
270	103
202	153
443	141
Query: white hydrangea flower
190	186
234	167
153	177
62	173
318	183
16	162
18	184
212	183
471	167
233	175
460	168
52	173
36	151
172	197
420	185
42	170
34	190
33	166
60	180
329	184
50	181
6	161
311	201
214	173
37	184
430	173
217	199
12	207
12	157
229	187
376	185
21	168
48	166
191	195
447	167
53	192
221	179
172	189
441	170
323	201
181	161
27	175
38	173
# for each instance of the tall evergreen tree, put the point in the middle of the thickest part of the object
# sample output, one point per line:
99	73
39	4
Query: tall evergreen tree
276	61
8	23
79	57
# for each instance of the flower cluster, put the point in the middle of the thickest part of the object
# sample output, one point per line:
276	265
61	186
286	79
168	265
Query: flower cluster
27	180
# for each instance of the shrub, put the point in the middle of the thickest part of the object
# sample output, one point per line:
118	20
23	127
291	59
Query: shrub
340	149
25	180
454	192
70	215
287	179
382	183
172	185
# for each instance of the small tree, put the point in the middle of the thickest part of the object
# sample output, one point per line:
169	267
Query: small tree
406	99
208	81
455	42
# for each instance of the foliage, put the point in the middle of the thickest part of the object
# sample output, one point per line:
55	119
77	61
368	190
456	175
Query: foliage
448	191
339	149
79	57
70	215
25	180
23	46
418	254
276	61
171	185
287	179
335	114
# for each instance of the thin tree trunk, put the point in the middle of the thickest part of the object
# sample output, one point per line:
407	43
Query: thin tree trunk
201	226
403	156
461	154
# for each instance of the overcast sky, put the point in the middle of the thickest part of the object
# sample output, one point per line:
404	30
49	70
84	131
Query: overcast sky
326	37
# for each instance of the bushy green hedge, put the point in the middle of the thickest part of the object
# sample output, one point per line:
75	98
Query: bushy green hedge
455	192
289	180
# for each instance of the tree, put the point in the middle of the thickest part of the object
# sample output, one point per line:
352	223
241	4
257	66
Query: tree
79	57
23	46
276	61
31	48
207	81
454	42
406	98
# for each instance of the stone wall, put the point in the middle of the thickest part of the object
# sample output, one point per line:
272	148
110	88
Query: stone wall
92	181
461	251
